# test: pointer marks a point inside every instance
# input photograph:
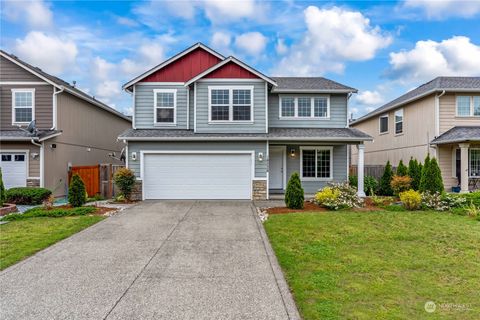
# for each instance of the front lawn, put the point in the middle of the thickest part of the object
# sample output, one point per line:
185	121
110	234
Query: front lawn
377	265
22	238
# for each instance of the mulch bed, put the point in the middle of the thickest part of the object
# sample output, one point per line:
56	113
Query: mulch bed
310	206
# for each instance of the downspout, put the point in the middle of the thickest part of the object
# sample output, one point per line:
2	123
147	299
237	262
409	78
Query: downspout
348	116
42	172
54	120
437	120
349	95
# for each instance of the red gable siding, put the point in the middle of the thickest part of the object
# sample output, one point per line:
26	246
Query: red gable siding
185	68
231	70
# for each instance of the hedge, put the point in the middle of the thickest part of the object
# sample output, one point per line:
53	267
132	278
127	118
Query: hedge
53	213
27	195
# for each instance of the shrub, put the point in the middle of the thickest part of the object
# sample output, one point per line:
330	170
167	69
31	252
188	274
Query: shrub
411	199
432	177
400	184
381	201
371	185
441	201
27	195
473	197
294	195
353	181
53	213
48	203
2	189
125	181
402	170
385	189
472	211
77	195
338	196
424	179
415	172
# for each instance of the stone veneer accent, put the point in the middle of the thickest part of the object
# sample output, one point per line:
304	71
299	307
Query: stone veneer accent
137	191
33	182
259	189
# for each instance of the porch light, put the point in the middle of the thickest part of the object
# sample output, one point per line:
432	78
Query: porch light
134	156
260	156
292	152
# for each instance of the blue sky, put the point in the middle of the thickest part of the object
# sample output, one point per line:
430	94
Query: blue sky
382	48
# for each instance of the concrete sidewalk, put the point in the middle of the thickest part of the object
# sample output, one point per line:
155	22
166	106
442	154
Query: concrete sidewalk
156	260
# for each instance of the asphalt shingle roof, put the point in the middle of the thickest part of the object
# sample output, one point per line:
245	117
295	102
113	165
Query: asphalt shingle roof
22	135
309	83
437	84
458	134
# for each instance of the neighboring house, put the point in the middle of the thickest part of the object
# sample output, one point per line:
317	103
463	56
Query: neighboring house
441	117
210	127
73	128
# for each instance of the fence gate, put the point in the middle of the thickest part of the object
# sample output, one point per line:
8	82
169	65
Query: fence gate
90	176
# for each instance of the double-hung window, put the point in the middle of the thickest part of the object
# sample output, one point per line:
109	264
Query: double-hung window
383	123
316	163
231	104
399	121
474	163
165	103
468	106
316	107
23	105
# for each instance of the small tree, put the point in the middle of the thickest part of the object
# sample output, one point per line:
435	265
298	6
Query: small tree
402	170
415	172
433	177
77	195
294	195
424	178
125	181
2	189
385	188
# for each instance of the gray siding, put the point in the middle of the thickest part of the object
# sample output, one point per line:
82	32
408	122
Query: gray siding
339	167
12	72
191	108
338	113
258	109
260	167
144	112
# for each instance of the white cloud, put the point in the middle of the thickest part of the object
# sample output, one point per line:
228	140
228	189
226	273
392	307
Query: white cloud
108	89
150	54
36	13
102	68
333	36
368	97
442	9
221	40
219	11
281	47
49	52
456	56
370	109
253	43
127	22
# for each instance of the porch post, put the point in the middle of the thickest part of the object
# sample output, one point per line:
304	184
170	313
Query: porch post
464	167
360	170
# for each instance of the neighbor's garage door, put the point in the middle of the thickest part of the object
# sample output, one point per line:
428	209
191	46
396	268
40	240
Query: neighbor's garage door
14	169
197	176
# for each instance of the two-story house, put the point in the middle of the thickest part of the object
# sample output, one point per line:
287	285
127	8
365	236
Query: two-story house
440	117
210	127
72	128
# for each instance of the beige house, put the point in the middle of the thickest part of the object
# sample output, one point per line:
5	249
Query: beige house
72	128
441	117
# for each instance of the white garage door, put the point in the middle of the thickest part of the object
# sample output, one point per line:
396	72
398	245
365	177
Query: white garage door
14	169
197	176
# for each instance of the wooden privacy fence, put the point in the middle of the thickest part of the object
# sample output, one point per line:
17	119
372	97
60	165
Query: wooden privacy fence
375	171
98	179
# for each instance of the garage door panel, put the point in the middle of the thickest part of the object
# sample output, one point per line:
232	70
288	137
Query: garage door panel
197	176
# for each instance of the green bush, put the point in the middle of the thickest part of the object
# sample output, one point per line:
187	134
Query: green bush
473	197
53	213
2	189
27	195
371	185
353	181
411	199
424	179
125	181
337	196
77	196
415	172
294	195
431	177
402	170
400	184
385	189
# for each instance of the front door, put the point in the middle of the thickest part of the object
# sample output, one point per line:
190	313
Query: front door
276	169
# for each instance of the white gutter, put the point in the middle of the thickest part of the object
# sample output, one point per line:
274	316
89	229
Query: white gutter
299	139
349	95
54	121
275	90
42	169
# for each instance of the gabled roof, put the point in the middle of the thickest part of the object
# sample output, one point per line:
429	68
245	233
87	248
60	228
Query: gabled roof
61	84
309	84
458	134
172	59
439	84
236	61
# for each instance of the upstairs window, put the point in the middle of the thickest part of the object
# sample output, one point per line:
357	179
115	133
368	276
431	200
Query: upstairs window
165	101
231	104
468	106
383	122
399	121
305	107
23	105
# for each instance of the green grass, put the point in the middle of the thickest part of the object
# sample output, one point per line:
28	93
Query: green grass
379	265
22	238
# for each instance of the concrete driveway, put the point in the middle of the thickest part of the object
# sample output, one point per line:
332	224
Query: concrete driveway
156	260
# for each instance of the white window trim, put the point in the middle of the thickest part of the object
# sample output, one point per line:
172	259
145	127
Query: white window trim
230	104
302	178
312	105
470	162
395	122
471	115
380	124
166	124
14	91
